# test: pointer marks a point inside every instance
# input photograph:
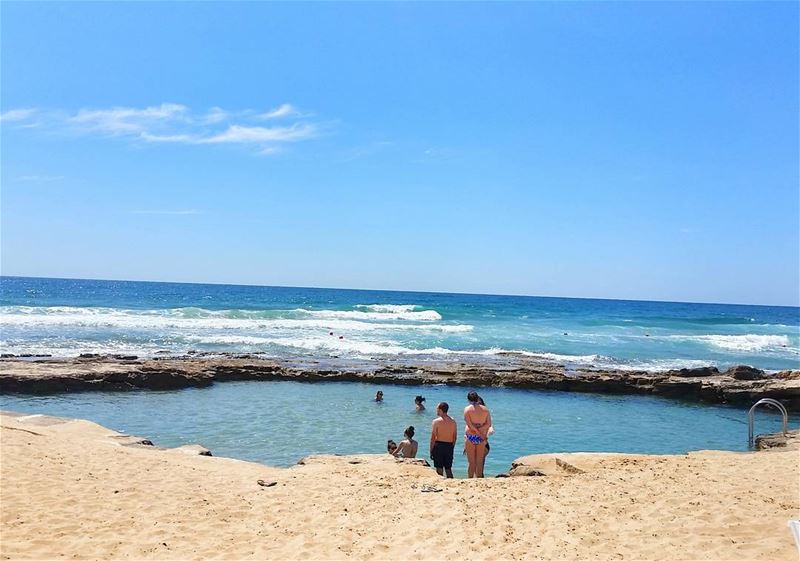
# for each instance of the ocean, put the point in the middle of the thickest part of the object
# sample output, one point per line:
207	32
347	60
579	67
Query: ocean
64	317
280	422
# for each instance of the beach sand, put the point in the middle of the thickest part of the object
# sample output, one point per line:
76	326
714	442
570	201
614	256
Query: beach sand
70	490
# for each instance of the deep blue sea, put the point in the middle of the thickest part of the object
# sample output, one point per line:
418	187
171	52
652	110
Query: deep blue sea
67	317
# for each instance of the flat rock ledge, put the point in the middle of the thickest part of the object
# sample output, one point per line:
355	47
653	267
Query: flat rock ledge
576	463
101	433
740	385
790	440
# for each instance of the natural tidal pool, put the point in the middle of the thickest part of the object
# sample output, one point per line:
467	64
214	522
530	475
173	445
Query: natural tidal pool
278	423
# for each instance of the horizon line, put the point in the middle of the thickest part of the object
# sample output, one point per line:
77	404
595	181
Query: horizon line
409	291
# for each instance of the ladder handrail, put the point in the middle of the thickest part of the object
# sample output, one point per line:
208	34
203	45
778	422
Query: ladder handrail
751	417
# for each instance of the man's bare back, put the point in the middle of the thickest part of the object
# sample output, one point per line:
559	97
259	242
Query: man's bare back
444	429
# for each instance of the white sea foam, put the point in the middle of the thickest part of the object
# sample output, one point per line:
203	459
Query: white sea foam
388	308
741	343
655	365
196	318
425	315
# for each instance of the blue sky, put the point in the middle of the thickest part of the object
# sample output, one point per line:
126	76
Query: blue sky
613	150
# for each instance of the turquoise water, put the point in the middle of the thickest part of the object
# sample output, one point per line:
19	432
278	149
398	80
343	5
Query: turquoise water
67	317
279	422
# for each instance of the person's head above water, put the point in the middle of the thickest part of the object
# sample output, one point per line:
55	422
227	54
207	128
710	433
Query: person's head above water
409	433
442	407
419	399
379	396
473	397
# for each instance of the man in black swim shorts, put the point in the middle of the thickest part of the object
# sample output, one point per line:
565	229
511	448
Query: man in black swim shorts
443	440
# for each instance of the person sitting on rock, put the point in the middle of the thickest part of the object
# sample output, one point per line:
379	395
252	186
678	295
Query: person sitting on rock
408	446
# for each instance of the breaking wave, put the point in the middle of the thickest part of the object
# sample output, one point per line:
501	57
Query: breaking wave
395	314
198	318
741	343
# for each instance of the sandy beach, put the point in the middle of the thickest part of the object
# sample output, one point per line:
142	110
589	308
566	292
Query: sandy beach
72	489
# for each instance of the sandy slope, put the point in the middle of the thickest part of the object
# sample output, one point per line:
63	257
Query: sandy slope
69	490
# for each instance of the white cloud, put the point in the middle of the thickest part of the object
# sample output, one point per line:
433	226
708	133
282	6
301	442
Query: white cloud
185	212
167	137
285	110
215	115
16	115
239	133
177	124
126	120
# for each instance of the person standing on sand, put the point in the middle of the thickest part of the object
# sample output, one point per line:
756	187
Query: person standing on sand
478	420
408	446
489	431
443	440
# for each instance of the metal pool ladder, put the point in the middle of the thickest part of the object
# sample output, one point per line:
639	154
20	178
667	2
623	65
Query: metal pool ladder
751	417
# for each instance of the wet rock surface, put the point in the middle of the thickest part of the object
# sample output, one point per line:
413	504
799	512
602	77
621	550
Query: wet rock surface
790	440
739	385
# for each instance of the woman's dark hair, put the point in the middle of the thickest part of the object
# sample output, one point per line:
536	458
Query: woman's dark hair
410	432
480	400
472	397
419	399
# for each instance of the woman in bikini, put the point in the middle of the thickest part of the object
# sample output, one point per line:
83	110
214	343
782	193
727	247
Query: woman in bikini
478	421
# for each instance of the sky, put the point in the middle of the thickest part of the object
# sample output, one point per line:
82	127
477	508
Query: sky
608	150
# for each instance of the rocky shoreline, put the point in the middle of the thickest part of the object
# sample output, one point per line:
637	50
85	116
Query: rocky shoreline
740	385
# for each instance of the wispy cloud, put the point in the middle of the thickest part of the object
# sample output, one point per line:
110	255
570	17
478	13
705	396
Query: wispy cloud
243	134
16	115
40	178
183	212
177	124
285	110
127	120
